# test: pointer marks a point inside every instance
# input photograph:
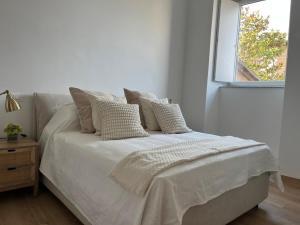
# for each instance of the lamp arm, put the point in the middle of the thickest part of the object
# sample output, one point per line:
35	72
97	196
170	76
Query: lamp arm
4	92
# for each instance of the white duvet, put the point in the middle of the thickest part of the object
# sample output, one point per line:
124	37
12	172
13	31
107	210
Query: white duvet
79	165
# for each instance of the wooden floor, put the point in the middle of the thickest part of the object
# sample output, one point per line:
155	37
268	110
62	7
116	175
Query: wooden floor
20	208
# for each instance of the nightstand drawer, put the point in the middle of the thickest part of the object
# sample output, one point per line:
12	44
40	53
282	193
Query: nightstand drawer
19	163
16	175
20	156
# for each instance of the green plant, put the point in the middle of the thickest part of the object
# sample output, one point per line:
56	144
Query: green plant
260	47
12	129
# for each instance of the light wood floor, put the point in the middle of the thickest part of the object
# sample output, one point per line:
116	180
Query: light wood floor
20	208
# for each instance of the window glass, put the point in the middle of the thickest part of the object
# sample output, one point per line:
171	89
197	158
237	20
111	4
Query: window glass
262	41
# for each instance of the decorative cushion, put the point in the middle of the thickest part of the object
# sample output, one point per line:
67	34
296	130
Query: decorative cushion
119	120
96	119
133	97
82	102
150	119
170	118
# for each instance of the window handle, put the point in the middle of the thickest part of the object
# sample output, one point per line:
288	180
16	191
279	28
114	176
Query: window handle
11	150
11	168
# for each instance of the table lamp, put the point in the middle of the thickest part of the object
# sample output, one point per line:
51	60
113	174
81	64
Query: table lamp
11	104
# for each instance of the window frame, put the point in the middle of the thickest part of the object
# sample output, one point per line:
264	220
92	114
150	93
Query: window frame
258	84
235	82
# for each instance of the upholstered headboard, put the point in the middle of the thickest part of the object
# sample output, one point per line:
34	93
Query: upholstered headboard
44	106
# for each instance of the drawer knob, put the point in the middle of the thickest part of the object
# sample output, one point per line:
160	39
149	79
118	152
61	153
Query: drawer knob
11	168
11	150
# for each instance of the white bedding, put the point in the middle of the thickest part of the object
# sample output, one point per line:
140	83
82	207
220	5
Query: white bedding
136	171
79	165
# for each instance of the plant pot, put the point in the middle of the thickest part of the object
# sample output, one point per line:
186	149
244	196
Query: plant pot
12	137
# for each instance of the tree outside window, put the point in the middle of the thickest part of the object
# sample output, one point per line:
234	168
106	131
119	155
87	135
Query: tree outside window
261	50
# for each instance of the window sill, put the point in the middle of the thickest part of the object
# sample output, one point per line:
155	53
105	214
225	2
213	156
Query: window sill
257	84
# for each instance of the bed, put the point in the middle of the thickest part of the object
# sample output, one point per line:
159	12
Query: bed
215	190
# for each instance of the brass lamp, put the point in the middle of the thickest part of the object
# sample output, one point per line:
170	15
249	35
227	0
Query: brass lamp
11	104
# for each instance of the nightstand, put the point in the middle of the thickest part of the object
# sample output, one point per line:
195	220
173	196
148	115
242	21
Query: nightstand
19	164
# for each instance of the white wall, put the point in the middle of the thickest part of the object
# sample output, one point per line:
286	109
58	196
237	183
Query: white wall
161	46
229	20
177	49
47	46
269	114
245	112
253	113
95	44
197	61
200	99
211	116
289	147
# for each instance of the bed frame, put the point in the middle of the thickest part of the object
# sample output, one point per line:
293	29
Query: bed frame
218	211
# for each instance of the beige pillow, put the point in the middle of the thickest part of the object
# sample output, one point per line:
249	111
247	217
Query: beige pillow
96	119
170	118
119	120
150	119
95	115
133	97
82	102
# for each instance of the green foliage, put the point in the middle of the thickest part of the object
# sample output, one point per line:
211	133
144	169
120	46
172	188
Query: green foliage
259	47
12	129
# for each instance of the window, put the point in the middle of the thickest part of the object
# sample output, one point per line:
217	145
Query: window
252	41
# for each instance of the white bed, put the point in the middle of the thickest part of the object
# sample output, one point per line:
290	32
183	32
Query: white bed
76	168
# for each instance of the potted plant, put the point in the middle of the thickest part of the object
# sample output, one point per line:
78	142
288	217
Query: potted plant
12	131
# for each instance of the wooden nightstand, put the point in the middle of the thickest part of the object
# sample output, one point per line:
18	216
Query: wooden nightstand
19	164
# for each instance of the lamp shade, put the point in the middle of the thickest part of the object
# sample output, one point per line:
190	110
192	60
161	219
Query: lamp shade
11	104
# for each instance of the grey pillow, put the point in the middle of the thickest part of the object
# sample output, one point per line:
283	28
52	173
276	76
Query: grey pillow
133	97
82	101
170	118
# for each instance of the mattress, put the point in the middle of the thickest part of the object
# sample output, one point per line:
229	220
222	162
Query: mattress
79	166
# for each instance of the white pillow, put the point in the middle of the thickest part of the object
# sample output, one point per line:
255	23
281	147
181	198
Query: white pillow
150	119
45	105
65	118
119	120
170	118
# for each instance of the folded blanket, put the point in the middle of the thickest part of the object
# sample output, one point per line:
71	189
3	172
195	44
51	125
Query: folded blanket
136	171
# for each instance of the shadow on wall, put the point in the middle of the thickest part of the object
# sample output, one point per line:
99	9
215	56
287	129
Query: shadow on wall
176	49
